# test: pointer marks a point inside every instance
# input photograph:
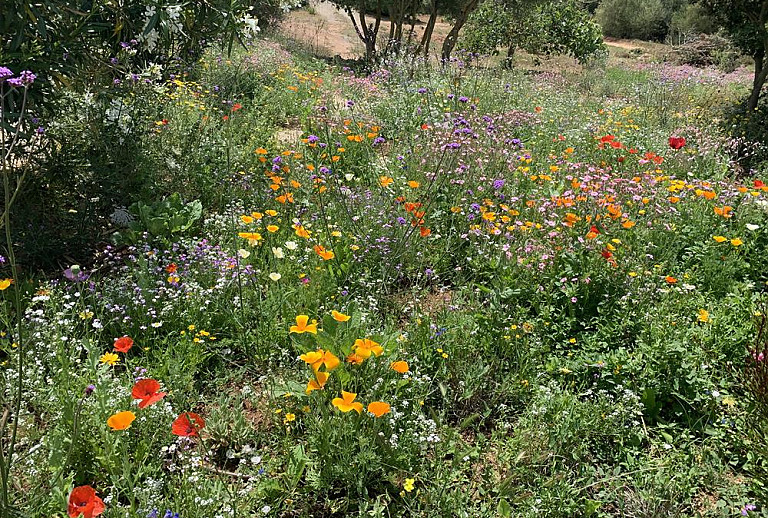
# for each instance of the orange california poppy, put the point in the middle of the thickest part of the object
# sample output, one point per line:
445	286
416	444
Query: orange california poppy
302	325
400	366
318	382
317	359
326	255
187	425
121	420
84	502
148	391
339	317
366	347
347	402
378	408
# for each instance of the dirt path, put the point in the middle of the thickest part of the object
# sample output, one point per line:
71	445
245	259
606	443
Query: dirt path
329	31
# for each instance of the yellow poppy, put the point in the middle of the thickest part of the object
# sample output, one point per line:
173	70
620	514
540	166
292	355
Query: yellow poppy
318	382
366	347
347	402
339	317
301	231
252	237
385	181
317	359
737	242
5	284
720	239
273	228
302	325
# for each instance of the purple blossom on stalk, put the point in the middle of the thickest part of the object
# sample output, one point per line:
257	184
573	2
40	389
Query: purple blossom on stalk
5	73
89	389
498	184
25	79
422	90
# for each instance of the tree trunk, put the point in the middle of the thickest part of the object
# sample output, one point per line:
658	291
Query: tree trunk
510	56
761	74
453	36
427	38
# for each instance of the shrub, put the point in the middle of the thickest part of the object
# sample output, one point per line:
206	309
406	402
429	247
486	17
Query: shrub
634	19
708	50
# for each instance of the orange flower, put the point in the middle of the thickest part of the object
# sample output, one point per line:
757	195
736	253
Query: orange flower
273	228
301	231
378	408
318	382
188	424
302	325
171	268
147	390
400	366
121	420
670	279
339	317
252	237
366	347
317	359
124	344
355	359
327	255
5	284
413	184
424	231
724	211
385	181
84	502
347	403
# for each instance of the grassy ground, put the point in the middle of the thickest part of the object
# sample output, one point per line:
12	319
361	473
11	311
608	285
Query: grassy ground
419	292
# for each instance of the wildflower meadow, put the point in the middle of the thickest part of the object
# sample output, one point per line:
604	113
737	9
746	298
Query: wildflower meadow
263	283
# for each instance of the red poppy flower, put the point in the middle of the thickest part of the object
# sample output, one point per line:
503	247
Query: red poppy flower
676	142
171	268
147	390
187	425
758	184
124	344
83	501
605	253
